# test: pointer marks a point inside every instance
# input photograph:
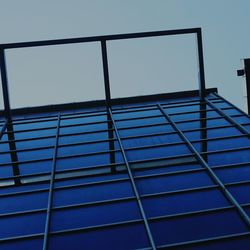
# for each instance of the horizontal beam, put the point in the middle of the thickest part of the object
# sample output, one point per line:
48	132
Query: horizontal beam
99	38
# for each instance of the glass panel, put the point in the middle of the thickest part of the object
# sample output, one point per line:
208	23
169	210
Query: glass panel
23	202
25	224
22	244
157	152
231	157
92	193
241	193
85	161
173	182
184	202
233	174
198	226
119	237
146	130
94	215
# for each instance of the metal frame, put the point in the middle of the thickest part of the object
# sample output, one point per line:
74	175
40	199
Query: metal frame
103	40
130	167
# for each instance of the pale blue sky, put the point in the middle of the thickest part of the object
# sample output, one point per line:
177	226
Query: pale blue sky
76	70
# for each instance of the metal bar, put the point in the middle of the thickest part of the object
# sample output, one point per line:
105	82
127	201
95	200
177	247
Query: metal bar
50	198
3	128
133	184
99	38
4	78
228	118
214	177
13	154
202	83
247	77
106	72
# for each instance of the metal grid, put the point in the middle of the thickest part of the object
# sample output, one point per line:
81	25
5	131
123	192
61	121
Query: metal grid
194	163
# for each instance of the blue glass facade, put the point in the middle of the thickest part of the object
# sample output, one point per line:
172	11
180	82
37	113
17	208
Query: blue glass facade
168	173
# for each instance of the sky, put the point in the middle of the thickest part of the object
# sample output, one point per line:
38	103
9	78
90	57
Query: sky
69	73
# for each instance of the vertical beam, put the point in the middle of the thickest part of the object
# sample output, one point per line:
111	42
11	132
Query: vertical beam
247	75
106	72
13	153
50	198
203	123
202	89
151	240
211	173
3	70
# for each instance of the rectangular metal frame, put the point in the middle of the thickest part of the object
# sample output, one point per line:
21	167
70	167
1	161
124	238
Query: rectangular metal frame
103	40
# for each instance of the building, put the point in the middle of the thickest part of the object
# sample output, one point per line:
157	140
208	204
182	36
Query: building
167	171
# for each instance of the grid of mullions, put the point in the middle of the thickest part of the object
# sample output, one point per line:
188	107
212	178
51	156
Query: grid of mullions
126	173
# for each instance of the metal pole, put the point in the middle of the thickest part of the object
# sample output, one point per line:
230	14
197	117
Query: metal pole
106	72
202	83
6	99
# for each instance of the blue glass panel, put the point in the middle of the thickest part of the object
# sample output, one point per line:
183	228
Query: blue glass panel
233	174
92	178
22	225
35	143
173	182
241	193
35	125
229	157
247	209
187	108
146	130
83	161
196	227
241	242
83	138
198	124
139	122
152	140
92	193
192	116
22	244
242	119
223	144
123	237
184	202
247	127
20	188
157	152
4	147
35	133
136	114
35	154
35	167
76	119
5	158
212	133
83	128
231	111
222	104
23	202
94	215
6	171
164	169
85	148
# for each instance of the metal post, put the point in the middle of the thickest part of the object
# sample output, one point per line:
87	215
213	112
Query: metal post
106	72
202	83
6	99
